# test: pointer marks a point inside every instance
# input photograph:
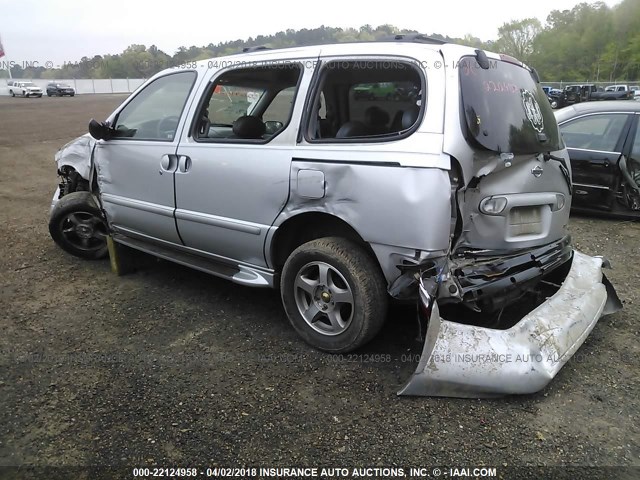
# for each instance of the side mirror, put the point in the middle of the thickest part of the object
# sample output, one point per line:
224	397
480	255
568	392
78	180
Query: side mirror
100	131
272	126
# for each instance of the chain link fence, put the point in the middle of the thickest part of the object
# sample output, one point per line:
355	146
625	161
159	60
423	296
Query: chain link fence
633	84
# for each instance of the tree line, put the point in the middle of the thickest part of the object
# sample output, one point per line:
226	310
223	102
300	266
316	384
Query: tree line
590	42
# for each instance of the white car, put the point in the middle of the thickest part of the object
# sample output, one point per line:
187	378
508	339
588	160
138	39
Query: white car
25	89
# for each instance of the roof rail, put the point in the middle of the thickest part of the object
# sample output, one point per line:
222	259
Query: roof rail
412	37
256	48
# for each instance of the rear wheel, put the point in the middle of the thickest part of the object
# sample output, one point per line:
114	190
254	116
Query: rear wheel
78	227
334	294
12	94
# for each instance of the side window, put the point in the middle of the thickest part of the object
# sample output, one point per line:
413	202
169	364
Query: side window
281	106
249	104
155	112
368	100
594	132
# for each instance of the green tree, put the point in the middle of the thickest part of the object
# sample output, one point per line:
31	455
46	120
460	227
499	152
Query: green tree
516	38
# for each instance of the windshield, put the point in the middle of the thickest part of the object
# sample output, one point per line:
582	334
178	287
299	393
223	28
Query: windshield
506	111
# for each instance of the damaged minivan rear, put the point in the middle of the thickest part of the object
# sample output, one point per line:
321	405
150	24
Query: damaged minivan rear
529	298
449	187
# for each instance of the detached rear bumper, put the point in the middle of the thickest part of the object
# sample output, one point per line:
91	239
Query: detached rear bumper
461	360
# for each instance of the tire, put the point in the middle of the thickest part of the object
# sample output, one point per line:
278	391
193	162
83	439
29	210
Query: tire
310	297
76	224
72	95
12	94
40	96
48	94
554	104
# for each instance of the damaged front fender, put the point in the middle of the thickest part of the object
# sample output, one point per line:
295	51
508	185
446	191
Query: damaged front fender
77	154
74	162
461	360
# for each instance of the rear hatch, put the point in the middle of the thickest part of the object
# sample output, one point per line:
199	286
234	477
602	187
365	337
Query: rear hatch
514	191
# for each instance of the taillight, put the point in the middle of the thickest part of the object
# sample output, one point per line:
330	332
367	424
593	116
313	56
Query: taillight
493	205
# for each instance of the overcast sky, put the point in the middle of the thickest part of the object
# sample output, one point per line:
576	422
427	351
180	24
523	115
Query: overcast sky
63	30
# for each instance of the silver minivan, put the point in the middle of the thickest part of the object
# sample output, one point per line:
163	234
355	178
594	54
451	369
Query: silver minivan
349	174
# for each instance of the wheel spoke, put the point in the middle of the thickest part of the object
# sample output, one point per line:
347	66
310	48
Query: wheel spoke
336	321
323	274
74	219
66	231
341	295
311	314
95	221
306	284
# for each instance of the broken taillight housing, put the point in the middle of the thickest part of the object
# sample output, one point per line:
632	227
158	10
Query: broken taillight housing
493	205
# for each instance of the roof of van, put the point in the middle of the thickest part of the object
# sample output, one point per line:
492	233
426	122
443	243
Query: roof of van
386	47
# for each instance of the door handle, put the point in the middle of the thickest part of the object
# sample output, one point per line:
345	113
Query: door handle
167	163
184	164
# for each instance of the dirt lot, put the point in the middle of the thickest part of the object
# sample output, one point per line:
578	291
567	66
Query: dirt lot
172	367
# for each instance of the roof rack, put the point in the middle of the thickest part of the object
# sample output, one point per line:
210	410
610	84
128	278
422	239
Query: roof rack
412	37
257	48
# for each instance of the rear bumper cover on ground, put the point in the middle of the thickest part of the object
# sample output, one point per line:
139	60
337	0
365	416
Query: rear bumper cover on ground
460	360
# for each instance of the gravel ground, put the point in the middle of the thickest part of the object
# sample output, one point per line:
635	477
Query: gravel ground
169	366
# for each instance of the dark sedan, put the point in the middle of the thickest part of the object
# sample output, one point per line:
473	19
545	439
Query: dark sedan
60	90
603	140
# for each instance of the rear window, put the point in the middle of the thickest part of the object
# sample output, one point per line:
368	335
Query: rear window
505	110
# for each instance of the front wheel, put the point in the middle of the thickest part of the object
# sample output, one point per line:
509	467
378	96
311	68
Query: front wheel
78	227
334	294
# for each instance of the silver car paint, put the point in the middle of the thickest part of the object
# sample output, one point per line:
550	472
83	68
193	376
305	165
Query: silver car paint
374	212
247	185
498	176
461	360
136	182
77	154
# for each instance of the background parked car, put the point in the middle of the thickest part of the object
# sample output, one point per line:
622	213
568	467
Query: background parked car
603	141
24	89
60	89
556	97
